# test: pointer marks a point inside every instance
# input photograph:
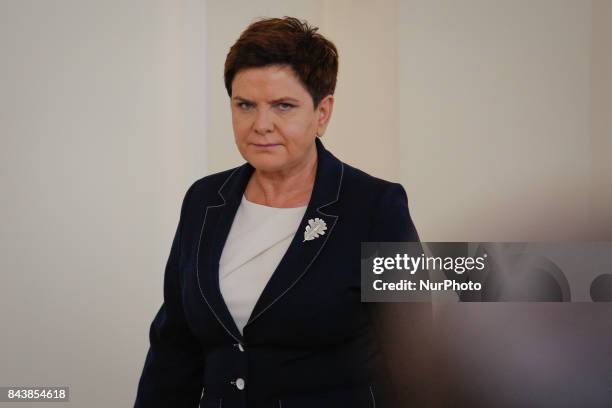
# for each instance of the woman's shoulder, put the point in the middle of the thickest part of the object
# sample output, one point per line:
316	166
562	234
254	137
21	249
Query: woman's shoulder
206	189
386	202
360	182
212	182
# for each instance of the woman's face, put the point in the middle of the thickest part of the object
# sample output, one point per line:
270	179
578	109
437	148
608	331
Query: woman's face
274	120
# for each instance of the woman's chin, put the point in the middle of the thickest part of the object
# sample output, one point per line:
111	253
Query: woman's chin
266	164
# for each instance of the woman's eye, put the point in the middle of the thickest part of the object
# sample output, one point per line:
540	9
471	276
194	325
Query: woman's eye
284	106
244	105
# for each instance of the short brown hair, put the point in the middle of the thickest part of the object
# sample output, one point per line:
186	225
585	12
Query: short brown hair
286	41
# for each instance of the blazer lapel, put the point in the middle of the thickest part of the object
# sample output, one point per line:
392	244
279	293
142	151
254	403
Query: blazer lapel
218	219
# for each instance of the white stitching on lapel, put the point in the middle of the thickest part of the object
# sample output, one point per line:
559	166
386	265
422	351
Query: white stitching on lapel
197	263
318	252
373	399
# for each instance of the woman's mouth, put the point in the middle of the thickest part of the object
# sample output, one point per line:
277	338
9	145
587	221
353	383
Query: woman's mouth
265	145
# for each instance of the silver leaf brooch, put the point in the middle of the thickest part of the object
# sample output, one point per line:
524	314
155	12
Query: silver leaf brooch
315	228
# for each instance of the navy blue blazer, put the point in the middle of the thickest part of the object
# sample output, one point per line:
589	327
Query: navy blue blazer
309	341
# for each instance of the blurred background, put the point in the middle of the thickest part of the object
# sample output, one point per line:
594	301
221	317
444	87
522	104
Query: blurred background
494	115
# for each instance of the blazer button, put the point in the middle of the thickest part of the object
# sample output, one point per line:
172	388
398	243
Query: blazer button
239	383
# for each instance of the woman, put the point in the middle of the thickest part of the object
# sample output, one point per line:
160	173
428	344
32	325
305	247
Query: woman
262	286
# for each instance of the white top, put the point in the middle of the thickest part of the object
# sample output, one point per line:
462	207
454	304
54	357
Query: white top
258	239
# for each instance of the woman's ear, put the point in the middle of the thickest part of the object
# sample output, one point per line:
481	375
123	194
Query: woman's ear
325	109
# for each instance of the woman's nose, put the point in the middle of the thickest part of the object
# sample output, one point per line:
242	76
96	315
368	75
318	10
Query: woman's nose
263	122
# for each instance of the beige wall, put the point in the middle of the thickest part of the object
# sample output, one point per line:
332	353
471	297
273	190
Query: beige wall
495	118
365	126
601	102
102	115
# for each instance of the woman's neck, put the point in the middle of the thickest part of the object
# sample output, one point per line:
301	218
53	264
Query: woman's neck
285	189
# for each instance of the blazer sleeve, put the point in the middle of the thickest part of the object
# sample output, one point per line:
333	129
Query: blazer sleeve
391	219
402	328
172	373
